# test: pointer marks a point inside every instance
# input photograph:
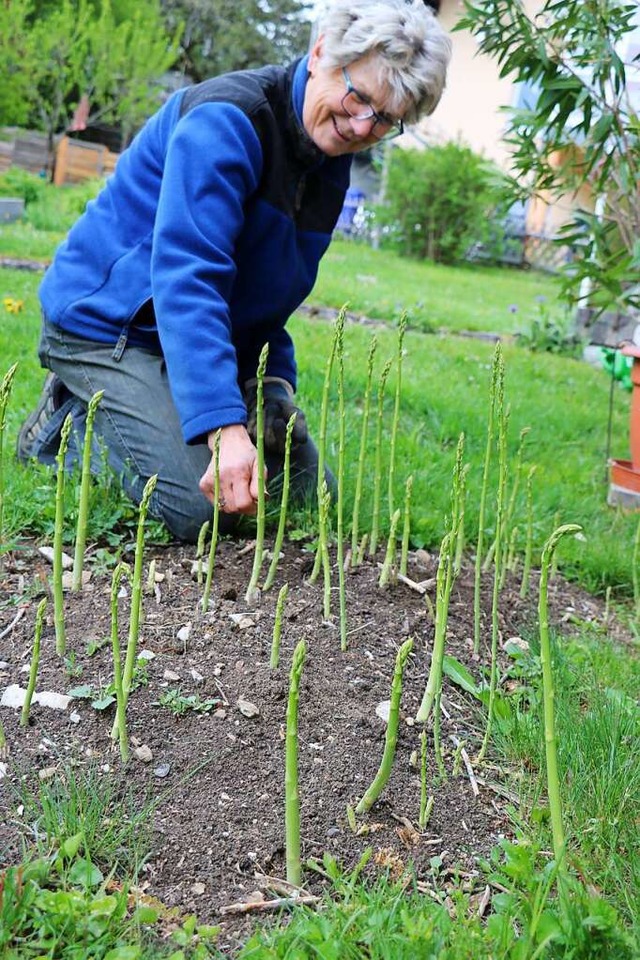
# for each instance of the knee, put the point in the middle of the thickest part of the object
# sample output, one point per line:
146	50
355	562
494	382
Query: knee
185	522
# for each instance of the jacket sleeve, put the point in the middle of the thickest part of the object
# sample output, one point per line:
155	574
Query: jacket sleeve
213	164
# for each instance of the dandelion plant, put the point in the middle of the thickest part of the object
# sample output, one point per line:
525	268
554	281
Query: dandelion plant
121	704
391	739
58	597
5	393
406	529
216	520
402	326
35	662
284	503
83	496
553	780
377	476
340	505
252	589
497	362
355	552
277	626
292	797
322	443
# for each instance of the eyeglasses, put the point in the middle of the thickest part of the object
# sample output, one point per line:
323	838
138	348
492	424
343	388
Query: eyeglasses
357	106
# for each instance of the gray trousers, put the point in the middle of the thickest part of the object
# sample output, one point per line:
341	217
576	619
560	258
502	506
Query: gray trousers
138	430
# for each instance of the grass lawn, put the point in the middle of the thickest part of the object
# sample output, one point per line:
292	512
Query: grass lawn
382	284
445	388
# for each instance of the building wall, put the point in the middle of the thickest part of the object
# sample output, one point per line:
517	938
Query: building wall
470	109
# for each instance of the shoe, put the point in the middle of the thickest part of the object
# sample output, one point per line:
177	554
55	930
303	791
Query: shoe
50	400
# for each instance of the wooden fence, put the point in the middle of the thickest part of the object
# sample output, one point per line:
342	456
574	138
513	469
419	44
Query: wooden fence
75	160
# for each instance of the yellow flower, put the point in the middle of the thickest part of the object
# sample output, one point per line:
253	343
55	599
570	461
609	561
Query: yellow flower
13	306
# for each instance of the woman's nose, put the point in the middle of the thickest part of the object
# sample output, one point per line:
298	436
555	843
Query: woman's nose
362	126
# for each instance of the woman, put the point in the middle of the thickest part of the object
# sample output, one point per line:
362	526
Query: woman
205	240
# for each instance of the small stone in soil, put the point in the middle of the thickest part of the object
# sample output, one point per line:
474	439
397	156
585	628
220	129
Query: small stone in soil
143	753
247	709
162	770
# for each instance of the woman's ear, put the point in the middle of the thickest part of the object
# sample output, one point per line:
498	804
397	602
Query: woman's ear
315	54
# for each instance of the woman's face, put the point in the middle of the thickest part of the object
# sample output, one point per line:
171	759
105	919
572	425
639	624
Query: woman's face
323	116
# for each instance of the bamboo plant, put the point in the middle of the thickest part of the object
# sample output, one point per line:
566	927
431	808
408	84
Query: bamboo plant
216	521
5	393
322	443
277	626
83	495
553	779
252	589
356	554
284	503
35	662
402	327
58	596
497	361
292	797
377	475
121	705
391	738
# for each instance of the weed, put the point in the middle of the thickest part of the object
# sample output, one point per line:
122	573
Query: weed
180	703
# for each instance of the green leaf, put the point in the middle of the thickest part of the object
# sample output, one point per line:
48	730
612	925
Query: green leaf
85	692
71	846
459	674
131	952
85	874
146	915
103	703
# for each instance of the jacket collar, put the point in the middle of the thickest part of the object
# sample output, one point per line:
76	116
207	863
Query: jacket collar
304	148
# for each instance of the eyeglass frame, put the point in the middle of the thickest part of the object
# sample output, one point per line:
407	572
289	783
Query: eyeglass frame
395	126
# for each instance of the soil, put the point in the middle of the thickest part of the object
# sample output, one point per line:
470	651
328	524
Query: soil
218	776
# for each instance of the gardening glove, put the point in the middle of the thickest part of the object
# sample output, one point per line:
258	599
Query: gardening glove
278	407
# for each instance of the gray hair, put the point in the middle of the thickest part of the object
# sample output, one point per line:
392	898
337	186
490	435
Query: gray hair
412	48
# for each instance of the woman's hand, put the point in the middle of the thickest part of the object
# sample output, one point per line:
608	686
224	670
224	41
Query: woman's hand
238	471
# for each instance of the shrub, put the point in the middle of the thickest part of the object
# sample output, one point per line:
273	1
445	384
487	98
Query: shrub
58	208
440	201
15	182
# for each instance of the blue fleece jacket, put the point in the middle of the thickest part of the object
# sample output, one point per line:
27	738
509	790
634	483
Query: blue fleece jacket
205	240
